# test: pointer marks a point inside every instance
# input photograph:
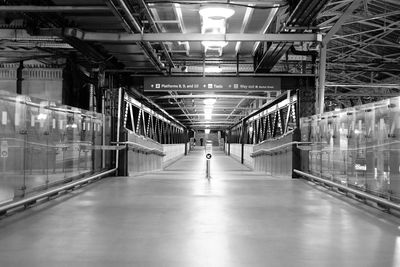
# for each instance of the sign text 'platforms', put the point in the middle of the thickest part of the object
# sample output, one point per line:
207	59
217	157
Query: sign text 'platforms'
212	84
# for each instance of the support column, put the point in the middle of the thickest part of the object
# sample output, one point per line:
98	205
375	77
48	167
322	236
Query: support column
242	141
92	94
229	139
322	75
186	140
19	77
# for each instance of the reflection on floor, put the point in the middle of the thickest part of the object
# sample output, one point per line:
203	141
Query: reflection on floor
178	218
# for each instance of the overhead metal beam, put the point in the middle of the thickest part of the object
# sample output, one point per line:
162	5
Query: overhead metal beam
218	107
191	37
83	47
264	29
245	74
211	122
130	24
202	114
364	32
368	41
347	95
341	20
264	3
215	96
129	15
157	31
246	19
181	25
45	9
183	109
374	17
235	108
371	85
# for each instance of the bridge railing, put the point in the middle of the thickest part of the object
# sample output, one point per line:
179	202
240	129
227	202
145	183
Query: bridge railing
269	127
357	147
44	143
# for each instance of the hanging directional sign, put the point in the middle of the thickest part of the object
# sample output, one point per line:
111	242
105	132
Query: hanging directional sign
212	84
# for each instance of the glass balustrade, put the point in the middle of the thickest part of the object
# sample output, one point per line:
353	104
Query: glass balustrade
358	147
43	143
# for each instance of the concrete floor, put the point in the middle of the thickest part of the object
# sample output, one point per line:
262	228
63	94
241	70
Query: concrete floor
177	218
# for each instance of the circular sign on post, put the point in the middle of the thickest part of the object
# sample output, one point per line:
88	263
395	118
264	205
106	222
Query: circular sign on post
208	156
4	149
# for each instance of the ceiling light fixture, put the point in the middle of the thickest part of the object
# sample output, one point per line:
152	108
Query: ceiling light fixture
214	44
208	112
213	69
207	131
214	22
216	12
215	26
209	101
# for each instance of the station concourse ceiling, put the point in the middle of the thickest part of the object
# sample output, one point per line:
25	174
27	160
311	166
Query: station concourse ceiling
272	38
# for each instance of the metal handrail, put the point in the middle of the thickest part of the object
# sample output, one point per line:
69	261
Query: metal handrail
81	144
360	148
28	200
266	151
356	192
142	148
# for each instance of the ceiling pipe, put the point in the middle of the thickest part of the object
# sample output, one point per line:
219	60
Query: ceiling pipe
131	18
140	95
370	85
155	27
216	96
304	12
50	9
178	14
313	54
135	73
183	109
148	50
303	53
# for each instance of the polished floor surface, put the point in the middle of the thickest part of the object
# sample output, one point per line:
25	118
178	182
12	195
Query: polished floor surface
178	218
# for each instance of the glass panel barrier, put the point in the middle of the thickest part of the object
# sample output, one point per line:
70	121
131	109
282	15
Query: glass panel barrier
44	143
358	147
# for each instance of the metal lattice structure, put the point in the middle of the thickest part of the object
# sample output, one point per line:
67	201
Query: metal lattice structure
363	51
142	121
271	121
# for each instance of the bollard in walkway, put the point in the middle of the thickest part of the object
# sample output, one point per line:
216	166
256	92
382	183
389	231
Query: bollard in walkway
208	158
